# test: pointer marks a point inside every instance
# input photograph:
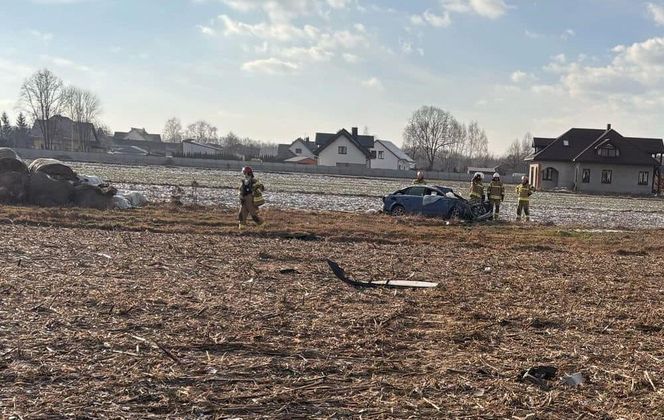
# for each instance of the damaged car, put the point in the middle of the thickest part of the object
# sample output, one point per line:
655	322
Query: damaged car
435	201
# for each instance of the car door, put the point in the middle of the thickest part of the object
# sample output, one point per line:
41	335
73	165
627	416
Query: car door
411	199
435	203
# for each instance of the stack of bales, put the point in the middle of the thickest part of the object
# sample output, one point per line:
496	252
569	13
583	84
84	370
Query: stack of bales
49	183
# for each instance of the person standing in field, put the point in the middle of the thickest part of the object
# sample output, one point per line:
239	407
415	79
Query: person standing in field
523	192
496	193
251	197
477	188
419	179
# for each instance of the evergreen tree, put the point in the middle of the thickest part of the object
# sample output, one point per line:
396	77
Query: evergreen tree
6	130
21	131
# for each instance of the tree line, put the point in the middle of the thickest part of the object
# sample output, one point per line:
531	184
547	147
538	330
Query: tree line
231	145
437	140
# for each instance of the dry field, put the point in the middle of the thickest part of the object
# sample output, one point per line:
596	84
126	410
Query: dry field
172	312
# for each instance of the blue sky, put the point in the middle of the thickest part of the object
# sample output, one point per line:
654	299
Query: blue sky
276	70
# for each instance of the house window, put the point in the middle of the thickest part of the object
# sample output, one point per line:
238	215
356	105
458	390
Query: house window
298	151
608	150
343	150
566	143
585	178
643	178
381	154
548	174
606	176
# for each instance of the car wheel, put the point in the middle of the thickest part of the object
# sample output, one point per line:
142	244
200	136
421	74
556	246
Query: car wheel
456	213
398	210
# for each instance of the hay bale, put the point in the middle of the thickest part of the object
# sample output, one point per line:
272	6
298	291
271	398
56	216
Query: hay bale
12	165
90	196
7	153
53	168
14	186
46	191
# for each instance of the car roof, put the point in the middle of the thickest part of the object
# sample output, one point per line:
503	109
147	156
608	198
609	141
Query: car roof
442	189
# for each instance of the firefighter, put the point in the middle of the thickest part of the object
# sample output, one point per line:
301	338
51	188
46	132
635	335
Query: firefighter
419	179
251	197
496	193
523	192
477	188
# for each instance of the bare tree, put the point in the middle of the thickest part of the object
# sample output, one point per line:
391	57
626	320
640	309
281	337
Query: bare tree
429	131
83	107
202	131
41	96
527	144
173	131
478	143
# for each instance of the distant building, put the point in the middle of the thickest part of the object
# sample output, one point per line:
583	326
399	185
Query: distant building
65	135
484	171
190	148
303	147
140	138
345	148
597	161
389	156
137	134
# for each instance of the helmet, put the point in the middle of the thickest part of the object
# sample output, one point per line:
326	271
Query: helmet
420	175
247	170
479	175
496	175
524	179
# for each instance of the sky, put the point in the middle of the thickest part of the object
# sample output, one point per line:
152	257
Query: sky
275	70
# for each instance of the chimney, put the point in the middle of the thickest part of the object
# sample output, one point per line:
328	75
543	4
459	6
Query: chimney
354	132
608	127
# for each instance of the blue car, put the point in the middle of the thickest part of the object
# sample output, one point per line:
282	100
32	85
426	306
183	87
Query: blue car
434	201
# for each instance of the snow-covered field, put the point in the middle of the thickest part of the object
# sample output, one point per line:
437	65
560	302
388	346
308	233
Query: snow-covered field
321	192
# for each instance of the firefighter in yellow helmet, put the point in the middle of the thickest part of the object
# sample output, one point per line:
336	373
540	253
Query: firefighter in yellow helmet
420	178
523	192
477	188
251	197
496	193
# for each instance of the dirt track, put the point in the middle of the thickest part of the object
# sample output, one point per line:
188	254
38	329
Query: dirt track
173	312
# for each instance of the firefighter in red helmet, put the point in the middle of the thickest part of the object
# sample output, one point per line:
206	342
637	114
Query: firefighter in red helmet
251	197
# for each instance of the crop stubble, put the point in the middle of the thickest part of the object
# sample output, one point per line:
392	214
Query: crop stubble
172	312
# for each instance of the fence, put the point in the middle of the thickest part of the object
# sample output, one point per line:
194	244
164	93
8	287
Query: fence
233	165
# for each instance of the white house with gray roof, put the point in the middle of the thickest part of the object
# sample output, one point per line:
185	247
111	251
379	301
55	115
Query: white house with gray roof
345	148
389	156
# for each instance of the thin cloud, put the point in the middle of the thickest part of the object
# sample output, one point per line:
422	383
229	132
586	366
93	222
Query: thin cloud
270	65
656	13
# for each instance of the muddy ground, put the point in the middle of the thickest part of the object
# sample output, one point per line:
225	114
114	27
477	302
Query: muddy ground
356	194
172	312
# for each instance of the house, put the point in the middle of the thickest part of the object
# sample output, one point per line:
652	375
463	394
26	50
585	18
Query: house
140	138
137	134
289	153
190	148
596	161
303	147
389	156
65	135
344	148
487	172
